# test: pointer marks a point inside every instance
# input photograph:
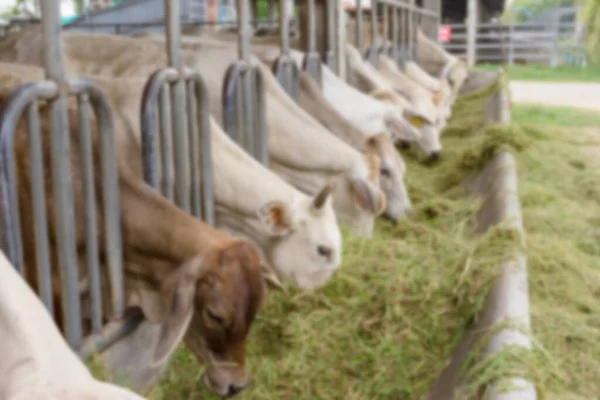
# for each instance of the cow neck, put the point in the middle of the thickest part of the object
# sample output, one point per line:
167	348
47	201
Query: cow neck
156	229
241	225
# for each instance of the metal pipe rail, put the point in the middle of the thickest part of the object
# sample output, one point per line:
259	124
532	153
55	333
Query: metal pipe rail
285	68
312	61
406	18
185	91
198	157
244	111
25	100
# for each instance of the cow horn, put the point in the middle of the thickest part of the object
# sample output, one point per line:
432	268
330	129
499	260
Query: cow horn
322	196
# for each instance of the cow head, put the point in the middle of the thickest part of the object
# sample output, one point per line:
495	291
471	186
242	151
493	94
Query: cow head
358	198
429	139
391	175
220	292
305	241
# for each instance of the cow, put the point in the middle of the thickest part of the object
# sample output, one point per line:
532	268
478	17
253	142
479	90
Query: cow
36	362
357	199
393	166
414	91
369	80
373	116
438	62
178	269
298	234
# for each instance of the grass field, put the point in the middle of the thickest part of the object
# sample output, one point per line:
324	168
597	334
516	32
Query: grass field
384	327
534	72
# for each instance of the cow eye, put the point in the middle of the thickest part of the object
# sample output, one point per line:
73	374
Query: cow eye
385	172
216	318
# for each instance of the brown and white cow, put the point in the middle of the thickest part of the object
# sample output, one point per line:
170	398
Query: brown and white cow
178	269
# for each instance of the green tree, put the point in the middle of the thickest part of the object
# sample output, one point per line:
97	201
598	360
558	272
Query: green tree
590	14
522	10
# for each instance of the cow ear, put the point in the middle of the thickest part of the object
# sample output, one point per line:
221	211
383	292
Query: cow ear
369	198
276	217
172	306
401	129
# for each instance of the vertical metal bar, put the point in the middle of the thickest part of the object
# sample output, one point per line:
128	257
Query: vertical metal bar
395	30
166	152
373	24
110	201
249	90
194	149
89	198
243	30
359	27
10	201
262	142
62	193
312	27
284	31
178	108
240	130
206	152
331	50
386	28
411	28
39	207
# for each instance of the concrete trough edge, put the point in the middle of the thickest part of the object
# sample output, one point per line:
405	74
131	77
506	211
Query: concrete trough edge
506	317
509	298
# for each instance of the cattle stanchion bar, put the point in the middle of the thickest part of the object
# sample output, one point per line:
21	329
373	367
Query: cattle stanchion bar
24	102
406	18
199	139
311	63
244	110
285	68
190	129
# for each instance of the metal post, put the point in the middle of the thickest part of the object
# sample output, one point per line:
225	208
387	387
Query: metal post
61	173
471	32
373	23
412	26
243	30
178	106
359	27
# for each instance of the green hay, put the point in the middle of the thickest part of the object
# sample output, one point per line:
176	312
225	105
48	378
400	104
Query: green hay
468	112
385	326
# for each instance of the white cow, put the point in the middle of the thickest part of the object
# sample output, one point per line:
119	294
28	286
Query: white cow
308	161
369	80
299	235
414	91
36	362
438	62
393	167
369	114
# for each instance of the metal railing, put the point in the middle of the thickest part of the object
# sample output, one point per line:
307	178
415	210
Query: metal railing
312	60
285	68
399	21
24	102
526	42
184	90
244	111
